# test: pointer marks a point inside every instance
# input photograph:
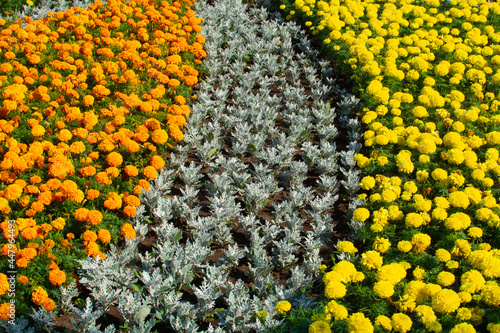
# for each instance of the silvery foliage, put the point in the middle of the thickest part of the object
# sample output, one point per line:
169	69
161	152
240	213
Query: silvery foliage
43	319
21	325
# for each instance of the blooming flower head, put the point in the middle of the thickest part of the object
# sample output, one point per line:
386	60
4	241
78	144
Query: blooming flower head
128	231
371	260
283	307
401	322
338	311
57	277
319	326
358	323
39	296
446	301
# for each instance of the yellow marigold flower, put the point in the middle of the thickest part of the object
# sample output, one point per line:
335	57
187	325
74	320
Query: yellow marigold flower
319	326
401	322
383	289
443	255
490	293
463	327
383	321
358	323
371	260
446	301
283	307
446	279
335	289
57	277
128	231
472	281
381	245
361	214
404	246
347	247
420	242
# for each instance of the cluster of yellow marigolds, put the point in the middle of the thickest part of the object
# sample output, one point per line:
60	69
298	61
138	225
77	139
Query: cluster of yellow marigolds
428	74
92	99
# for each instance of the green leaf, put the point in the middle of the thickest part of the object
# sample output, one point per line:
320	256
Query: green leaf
136	287
212	151
177	237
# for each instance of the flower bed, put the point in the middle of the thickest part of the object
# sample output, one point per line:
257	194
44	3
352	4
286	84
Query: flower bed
427	74
92	99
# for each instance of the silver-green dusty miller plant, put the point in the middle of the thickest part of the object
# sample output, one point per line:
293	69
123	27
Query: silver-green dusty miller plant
248	51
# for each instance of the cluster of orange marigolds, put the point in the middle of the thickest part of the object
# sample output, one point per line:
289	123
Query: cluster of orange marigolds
429	78
91	102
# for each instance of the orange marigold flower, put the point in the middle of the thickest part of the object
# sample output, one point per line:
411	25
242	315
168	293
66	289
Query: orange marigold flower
132	146
49	243
144	184
113	201
22	262
102	178
132	200
29	233
81	214
95	217
114	159
88	171
172	83
35	179
70	235
173	59
150	172
4	284
53	184
92	248
8	249
159	136
176	133
131	171
58	224
49	304
7	310
24	201
23	279
53	265
88	100
64	135
128	231
104	235
129	211
89	236
92	194
190	80
57	277
157	162
39	296
77	147
38	131
113	172
13	192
